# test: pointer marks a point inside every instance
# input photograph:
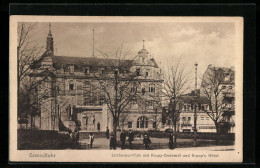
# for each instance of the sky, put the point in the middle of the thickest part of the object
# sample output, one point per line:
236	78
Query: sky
195	42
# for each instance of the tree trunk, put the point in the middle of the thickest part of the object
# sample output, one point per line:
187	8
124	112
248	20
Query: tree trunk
175	134
218	133
31	120
114	127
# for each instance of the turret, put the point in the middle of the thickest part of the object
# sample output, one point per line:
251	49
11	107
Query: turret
50	42
143	55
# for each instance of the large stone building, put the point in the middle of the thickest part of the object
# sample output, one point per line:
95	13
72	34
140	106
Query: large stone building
69	89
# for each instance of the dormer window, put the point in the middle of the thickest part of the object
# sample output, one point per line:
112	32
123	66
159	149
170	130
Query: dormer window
227	77
71	68
143	60
102	71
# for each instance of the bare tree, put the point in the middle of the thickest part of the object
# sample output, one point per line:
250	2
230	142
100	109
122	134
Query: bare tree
214	89
27	52
118	83
176	82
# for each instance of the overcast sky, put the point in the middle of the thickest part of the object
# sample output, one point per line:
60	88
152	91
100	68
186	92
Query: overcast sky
204	43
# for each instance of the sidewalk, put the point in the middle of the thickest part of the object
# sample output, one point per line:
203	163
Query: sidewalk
162	144
209	148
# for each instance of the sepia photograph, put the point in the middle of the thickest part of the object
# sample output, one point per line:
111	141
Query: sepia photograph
126	89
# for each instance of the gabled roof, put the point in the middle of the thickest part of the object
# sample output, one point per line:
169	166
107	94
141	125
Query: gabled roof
59	61
62	61
36	63
154	63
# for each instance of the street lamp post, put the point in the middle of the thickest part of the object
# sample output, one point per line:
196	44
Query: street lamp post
195	109
195	128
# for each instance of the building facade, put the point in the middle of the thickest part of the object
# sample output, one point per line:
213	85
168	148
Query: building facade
70	89
217	93
218	86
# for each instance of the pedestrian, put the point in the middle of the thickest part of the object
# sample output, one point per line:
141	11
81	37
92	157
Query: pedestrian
112	142
171	143
91	139
130	139
76	138
107	133
122	139
147	142
71	135
98	127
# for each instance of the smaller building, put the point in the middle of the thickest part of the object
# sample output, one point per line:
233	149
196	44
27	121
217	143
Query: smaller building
193	106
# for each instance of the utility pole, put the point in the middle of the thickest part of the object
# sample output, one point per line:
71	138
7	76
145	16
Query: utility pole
195	109
93	43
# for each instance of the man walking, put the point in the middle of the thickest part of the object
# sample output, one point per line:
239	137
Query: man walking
122	139
107	133
147	142
130	139
112	142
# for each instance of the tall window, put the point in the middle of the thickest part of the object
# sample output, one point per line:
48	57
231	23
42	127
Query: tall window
151	89
138	72
134	104
71	85
129	124
142	122
146	73
154	124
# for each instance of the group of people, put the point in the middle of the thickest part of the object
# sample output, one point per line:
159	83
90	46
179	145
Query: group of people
122	140
146	141
123	136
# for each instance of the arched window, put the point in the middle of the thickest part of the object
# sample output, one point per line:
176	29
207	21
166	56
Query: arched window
151	88
142	122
